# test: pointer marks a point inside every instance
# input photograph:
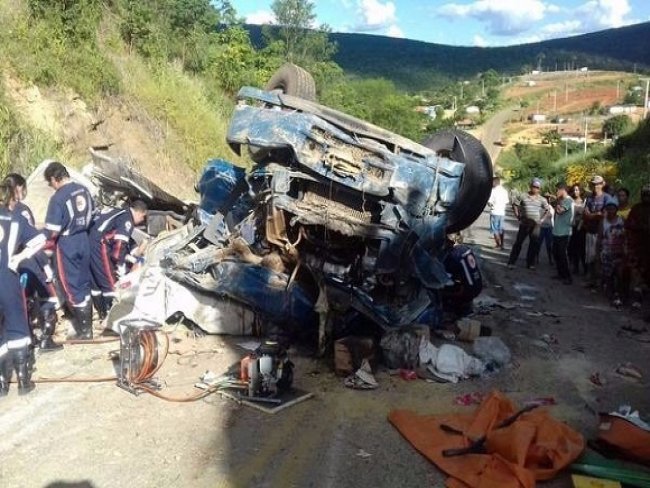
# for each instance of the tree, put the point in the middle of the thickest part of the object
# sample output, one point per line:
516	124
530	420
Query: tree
551	137
617	125
302	42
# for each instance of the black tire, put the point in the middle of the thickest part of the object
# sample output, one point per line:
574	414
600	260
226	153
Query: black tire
476	182
293	80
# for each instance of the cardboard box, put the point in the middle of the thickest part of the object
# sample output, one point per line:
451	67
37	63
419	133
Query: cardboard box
350	351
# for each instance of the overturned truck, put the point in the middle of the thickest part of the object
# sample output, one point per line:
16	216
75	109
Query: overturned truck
337	223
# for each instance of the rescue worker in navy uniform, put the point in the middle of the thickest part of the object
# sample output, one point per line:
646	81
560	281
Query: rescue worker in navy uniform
15	336
40	285
462	267
69	215
110	234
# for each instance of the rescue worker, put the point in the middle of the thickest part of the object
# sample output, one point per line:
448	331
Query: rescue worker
37	269
69	215
15	336
462	267
110	235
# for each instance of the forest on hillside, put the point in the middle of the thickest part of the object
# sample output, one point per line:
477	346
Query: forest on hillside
184	60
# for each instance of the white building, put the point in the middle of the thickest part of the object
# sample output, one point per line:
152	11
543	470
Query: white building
622	109
472	109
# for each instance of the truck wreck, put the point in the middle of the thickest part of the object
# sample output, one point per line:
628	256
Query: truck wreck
337	223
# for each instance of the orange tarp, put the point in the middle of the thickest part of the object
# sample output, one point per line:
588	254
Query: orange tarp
534	447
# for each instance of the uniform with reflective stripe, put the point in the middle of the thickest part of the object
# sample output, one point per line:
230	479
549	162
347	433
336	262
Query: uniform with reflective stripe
69	215
14	234
109	236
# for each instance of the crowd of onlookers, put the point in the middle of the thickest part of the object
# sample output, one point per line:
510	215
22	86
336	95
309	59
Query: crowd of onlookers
597	234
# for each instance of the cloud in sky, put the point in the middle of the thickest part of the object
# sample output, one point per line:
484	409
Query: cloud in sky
478	41
503	17
394	31
260	17
522	21
602	14
375	15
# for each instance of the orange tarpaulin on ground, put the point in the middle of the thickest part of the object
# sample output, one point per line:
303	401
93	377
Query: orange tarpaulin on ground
534	447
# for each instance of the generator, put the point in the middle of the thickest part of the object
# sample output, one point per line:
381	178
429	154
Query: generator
268	371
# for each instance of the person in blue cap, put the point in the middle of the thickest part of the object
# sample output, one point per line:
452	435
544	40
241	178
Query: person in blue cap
529	210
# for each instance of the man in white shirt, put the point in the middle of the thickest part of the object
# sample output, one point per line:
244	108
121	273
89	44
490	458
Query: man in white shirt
498	201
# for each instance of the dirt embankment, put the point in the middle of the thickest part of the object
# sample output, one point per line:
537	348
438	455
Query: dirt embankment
118	122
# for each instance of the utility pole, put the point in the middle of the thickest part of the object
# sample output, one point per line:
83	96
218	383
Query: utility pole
645	99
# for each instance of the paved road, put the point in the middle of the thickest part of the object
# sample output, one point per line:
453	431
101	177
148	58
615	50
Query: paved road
490	132
102	436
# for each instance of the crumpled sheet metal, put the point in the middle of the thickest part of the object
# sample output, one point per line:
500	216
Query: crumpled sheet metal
413	182
155	297
260	289
535	447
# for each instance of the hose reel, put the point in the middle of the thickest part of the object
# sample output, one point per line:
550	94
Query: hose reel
139	357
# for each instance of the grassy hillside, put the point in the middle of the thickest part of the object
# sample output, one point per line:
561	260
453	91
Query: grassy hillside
423	65
69	81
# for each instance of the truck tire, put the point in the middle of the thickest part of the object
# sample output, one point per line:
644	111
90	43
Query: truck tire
293	80
476	182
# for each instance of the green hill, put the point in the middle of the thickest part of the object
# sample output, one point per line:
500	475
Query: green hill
422	64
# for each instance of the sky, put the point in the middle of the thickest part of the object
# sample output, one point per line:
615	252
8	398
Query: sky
466	22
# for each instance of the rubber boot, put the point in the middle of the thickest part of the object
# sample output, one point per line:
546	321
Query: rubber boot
99	302
5	374
108	304
84	319
48	326
23	370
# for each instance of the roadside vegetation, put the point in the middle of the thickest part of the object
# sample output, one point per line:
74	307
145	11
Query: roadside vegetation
183	61
626	163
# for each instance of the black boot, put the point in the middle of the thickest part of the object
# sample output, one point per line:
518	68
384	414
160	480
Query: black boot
84	319
48	326
99	302
5	374
23	370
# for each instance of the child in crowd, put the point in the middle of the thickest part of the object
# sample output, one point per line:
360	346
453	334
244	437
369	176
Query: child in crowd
612	252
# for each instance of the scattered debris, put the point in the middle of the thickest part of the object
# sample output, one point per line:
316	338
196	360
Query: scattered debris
507	305
250	345
597	380
362	379
449	363
470	329
445	334
629	370
580	481
550	339
492	350
408	374
551	314
350	352
469	399
401	347
363	454
535	314
540	402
